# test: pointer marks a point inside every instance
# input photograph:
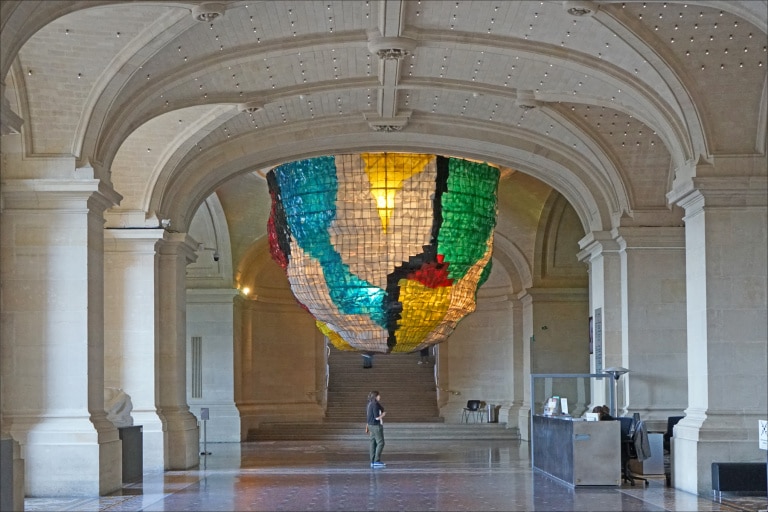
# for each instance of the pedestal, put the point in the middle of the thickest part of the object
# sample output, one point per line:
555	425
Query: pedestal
133	453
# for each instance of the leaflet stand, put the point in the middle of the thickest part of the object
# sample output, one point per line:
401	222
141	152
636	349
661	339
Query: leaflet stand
204	415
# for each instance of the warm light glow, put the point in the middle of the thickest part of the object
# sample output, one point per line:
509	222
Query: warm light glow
385	203
246	291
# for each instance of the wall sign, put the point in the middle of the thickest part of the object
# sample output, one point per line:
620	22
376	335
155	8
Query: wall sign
598	340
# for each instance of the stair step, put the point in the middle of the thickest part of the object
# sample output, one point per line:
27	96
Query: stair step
345	431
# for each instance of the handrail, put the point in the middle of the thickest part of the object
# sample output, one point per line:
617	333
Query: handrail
455	393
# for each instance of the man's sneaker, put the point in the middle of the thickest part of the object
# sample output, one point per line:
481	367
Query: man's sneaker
378	465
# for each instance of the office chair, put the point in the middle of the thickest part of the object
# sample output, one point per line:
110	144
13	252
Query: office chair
471	410
667	443
671	422
631	428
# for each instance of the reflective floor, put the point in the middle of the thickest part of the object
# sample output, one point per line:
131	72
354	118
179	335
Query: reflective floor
420	476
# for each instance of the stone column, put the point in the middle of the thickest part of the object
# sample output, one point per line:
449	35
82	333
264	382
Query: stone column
600	251
53	335
174	252
129	324
654	321
726	266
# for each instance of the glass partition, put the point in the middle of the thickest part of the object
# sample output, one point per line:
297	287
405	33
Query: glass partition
579	389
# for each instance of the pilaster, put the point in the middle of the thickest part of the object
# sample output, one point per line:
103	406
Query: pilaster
517	413
210	361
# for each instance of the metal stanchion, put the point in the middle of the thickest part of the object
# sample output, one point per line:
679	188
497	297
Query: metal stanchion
204	415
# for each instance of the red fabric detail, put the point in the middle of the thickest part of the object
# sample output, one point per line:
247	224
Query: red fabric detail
432	275
274	247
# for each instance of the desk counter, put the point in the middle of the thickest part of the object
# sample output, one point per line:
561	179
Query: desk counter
577	452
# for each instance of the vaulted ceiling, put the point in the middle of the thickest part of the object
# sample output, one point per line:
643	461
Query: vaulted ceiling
169	100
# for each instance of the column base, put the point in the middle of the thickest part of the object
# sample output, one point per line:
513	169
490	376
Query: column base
73	469
697	444
181	438
69	456
524	422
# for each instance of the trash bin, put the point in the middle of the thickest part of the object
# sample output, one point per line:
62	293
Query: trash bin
492	416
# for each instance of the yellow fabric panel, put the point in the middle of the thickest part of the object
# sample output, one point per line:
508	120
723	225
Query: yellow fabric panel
334	338
423	310
386	173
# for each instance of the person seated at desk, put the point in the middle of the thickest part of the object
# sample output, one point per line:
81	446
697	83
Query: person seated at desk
603	411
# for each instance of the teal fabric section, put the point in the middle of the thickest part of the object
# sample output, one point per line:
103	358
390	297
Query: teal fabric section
308	193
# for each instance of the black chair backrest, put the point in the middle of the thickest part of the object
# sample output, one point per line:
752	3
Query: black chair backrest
671	422
473	405
626	427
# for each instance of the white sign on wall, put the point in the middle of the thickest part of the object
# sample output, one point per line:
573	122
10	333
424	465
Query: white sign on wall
763	436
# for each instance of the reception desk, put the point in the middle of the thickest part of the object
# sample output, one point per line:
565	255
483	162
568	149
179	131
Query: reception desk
577	452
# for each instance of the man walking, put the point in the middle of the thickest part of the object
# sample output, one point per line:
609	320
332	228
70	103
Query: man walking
375	428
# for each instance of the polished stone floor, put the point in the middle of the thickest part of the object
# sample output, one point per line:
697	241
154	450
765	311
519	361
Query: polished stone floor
420	476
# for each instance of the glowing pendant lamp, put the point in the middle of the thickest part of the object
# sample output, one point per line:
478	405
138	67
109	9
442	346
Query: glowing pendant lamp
385	250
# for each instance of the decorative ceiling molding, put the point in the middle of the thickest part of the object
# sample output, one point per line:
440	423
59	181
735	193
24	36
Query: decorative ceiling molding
208	11
388	124
526	100
390	48
251	107
579	8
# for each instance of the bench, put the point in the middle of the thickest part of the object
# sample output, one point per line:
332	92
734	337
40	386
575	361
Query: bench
740	477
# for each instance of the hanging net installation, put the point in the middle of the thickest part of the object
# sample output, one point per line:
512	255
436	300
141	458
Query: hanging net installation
385	250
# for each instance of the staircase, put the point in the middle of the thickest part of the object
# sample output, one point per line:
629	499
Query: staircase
407	388
407	393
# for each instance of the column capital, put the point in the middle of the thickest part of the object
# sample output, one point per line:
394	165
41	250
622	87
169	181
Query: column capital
597	243
178	244
721	192
132	240
64	195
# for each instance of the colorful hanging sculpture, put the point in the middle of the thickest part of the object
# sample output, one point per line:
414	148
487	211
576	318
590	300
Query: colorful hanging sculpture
385	250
